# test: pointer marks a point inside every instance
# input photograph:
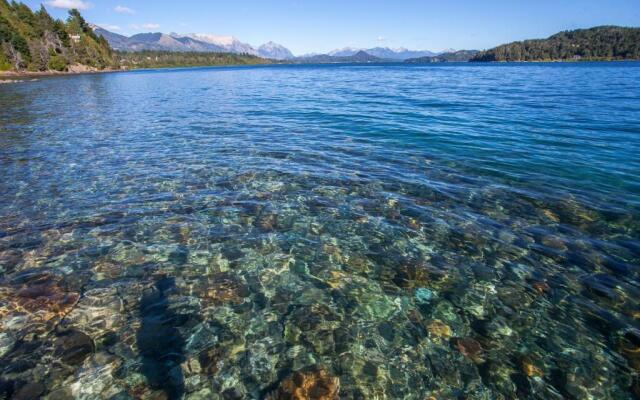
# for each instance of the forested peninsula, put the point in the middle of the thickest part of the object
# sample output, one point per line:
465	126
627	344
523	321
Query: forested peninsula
603	43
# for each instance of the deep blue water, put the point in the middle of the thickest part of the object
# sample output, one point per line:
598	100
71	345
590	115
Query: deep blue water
389	231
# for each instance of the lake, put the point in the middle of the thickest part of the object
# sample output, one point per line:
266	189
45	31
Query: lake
355	231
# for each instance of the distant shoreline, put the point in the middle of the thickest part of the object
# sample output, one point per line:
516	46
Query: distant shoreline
13	76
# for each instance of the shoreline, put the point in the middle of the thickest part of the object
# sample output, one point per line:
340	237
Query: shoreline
21	76
8	75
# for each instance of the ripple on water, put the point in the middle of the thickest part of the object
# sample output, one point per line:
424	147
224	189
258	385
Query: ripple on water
322	232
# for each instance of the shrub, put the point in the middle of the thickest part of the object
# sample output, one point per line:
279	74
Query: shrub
57	63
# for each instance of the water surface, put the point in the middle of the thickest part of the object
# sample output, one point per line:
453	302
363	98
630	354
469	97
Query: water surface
353	231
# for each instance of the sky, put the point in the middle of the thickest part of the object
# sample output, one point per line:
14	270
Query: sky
306	26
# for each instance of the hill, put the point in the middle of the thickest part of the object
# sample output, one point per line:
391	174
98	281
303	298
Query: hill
599	43
455	56
34	41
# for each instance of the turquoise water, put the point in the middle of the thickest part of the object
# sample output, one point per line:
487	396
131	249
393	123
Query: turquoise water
342	231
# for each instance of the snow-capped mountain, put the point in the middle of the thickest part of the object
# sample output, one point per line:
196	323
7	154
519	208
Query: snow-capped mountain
275	51
387	53
344	52
206	42
230	43
199	42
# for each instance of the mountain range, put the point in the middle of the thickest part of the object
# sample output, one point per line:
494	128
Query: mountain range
200	42
399	54
359	57
197	42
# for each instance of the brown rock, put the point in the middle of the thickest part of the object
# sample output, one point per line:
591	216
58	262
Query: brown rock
225	288
469	348
43	298
439	329
529	369
541	287
411	275
46	294
316	384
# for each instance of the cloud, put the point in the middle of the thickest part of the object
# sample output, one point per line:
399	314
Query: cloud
124	10
110	27
381	39
68	4
145	26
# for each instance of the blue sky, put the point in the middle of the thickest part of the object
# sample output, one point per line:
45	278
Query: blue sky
322	25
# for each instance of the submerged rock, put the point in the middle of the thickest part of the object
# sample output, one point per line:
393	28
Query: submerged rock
424	295
39	300
73	347
439	329
315	383
469	348
530	369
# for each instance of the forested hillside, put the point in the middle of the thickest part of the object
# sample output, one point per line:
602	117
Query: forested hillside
453	56
599	43
167	59
34	41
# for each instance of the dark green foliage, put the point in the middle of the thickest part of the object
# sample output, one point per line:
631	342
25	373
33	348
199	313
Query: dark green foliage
13	38
165	59
600	43
456	56
35	41
59	30
25	15
43	21
78	25
57	63
5	30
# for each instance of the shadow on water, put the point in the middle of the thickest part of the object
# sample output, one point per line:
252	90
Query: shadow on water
159	341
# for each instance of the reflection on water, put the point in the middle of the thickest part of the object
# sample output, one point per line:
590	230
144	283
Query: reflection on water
322	232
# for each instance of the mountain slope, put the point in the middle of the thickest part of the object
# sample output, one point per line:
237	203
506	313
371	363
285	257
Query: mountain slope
599	43
35	41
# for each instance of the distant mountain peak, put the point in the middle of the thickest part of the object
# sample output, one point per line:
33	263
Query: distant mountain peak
396	54
275	51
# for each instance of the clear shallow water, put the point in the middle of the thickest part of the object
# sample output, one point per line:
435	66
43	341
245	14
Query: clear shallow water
454	231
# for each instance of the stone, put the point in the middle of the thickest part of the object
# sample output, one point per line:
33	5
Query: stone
469	348
529	369
73	347
30	391
315	383
39	299
424	295
6	343
541	287
439	329
226	288
411	275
